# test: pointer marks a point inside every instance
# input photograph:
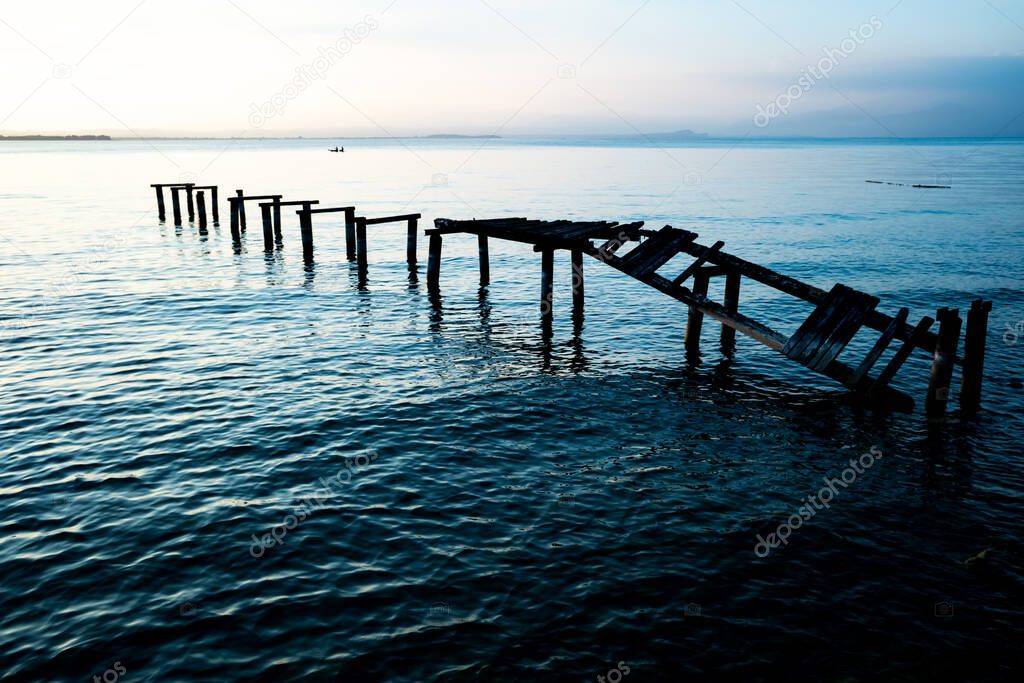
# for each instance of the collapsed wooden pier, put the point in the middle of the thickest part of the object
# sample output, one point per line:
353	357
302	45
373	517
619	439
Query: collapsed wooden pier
839	313
838	316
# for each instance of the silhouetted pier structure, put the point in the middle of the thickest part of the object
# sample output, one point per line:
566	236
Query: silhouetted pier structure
839	313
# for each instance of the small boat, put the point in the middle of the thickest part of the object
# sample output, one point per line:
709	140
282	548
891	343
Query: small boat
337	149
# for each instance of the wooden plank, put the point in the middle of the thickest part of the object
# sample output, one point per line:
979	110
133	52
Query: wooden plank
732	304
333	209
646	248
897	361
858	305
392	219
708	253
861	373
662	257
695	316
810	332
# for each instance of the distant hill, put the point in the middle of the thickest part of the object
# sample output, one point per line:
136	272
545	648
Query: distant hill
685	134
54	137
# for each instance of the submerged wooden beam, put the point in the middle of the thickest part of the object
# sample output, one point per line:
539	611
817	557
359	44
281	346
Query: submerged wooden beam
695	316
731	304
942	364
547	285
434	261
974	357
201	208
160	202
176	205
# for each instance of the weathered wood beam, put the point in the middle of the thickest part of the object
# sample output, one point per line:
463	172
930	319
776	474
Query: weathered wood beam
974	357
942	364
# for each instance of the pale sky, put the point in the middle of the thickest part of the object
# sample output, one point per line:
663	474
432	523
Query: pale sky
510	67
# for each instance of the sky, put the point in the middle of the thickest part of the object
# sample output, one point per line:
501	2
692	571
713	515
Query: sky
513	67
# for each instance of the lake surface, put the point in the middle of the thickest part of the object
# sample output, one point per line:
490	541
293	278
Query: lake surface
454	499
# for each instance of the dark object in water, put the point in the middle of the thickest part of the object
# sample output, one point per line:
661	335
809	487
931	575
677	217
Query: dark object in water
337	149
923	187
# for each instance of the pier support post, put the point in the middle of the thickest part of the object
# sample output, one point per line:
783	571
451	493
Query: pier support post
160	209
942	364
695	318
241	210
361	245
189	203
974	357
410	243
434	262
268	227
485	259
215	205
277	217
176	205
577	282
201	208
306	228
350	234
547	288
732	304
234	202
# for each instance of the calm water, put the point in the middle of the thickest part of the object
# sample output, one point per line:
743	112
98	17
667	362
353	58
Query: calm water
489	507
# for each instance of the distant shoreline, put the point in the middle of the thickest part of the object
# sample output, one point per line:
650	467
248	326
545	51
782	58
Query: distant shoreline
50	138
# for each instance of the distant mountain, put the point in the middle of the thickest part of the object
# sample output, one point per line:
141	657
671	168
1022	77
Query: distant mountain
455	136
685	134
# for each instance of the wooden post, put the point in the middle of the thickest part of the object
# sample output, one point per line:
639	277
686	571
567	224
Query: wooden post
176	205
547	285
732	304
485	259
974	356
241	210
201	207
350	234
410	243
306	228
577	282
216	205
160	210
277	217
434	262
361	244
942	364
268	227
189	203
234	202
695	318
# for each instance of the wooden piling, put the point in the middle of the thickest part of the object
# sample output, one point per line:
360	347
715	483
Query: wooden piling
695	317
215	205
485	259
732	304
240	204
306	228
361	259
547	285
942	363
577	282
434	262
234	203
190	204
160	209
410	243
201	208
350	234
974	357
277	218
176	205
268	227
